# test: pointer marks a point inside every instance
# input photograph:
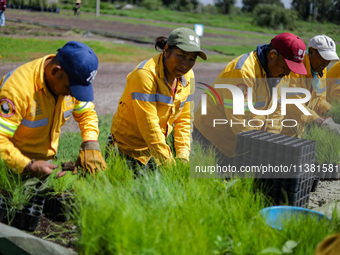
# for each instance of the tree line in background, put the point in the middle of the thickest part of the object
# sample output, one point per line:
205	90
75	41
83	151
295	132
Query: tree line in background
266	13
269	13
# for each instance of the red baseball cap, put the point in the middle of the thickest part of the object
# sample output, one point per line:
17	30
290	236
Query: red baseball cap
293	50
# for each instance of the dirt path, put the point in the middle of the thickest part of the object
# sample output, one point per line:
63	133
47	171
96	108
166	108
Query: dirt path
143	31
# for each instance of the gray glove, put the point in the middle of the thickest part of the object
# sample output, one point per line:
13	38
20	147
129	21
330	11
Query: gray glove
331	125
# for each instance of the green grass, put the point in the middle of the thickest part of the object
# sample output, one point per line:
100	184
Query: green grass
335	112
26	49
168	212
327	147
57	186
242	35
241	22
17	190
328	144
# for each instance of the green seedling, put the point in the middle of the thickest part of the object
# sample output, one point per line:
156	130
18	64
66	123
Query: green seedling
57	186
335	112
18	189
327	147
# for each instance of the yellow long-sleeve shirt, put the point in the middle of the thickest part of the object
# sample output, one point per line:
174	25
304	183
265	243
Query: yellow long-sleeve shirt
147	111
333	83
31	117
317	105
244	72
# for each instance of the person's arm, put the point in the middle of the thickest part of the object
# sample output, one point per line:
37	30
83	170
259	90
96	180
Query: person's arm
13	107
144	102
239	122
322	106
333	83
87	119
292	111
333	89
183	124
90	157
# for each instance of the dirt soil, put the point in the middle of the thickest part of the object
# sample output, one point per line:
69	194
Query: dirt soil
109	85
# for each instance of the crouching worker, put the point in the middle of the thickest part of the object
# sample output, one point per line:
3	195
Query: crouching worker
37	98
156	100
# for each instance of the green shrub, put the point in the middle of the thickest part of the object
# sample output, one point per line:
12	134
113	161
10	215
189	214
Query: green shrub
275	17
152	4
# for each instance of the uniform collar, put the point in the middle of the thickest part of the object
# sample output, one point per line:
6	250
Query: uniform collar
40	80
261	54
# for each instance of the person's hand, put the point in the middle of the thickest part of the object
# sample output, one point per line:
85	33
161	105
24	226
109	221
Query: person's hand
331	125
41	169
90	158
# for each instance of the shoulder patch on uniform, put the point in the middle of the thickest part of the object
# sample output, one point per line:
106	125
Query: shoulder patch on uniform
7	108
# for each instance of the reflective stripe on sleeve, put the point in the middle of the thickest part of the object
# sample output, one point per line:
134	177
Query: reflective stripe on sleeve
7	128
152	98
321	90
6	77
34	123
82	106
228	103
241	60
292	94
337	81
67	114
141	65
164	99
260	104
189	98
143	97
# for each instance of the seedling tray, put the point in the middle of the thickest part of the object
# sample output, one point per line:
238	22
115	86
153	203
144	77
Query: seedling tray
25	219
259	148
57	208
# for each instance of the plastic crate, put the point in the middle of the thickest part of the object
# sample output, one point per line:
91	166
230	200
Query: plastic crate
256	148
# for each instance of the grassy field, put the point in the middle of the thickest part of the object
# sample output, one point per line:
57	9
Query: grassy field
241	22
243	36
27	49
167	212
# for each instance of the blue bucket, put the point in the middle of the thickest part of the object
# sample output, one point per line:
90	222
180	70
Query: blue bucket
275	215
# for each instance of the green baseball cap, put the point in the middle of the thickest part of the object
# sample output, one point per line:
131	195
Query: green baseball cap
187	40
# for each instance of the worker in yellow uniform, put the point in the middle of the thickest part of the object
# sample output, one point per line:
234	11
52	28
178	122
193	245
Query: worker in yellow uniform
255	73
37	98
333	83
156	101
321	51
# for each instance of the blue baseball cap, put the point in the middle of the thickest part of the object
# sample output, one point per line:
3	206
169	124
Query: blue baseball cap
80	64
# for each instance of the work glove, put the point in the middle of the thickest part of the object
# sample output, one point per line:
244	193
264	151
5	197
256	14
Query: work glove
90	158
331	125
